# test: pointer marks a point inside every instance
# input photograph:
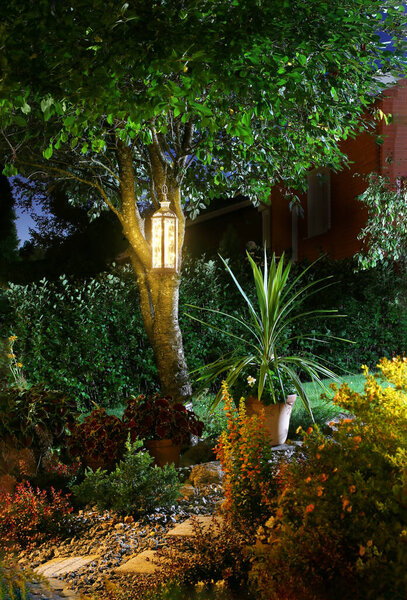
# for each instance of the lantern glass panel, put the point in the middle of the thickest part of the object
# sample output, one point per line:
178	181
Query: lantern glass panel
157	242
169	243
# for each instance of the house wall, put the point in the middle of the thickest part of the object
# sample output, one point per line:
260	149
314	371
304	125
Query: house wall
231	229
347	215
393	156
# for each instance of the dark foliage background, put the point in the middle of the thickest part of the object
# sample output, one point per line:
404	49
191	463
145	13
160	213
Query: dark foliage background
86	337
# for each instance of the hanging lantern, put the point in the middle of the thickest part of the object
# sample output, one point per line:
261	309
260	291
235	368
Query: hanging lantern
164	229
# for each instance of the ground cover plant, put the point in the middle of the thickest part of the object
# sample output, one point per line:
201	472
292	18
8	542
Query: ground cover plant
339	525
13	581
323	409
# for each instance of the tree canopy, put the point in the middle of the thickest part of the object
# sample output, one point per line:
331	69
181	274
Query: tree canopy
204	98
245	92
8	232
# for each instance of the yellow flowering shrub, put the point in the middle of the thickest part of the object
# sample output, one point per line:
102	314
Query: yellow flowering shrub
339	525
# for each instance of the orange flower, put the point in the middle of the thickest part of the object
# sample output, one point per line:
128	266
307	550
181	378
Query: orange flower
352	489
307	480
362	550
357	439
323	477
309	430
321	447
310	508
320	490
345	503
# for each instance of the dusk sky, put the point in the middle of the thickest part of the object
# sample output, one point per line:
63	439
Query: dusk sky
23	224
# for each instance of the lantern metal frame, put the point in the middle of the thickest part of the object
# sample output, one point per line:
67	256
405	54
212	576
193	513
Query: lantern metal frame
164	237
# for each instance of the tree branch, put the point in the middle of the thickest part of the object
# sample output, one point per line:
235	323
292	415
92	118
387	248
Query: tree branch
70	175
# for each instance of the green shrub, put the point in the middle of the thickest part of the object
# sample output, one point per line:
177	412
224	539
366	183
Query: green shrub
338	530
374	302
215	421
85	338
134	487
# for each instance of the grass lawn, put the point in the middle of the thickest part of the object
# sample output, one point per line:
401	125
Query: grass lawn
322	409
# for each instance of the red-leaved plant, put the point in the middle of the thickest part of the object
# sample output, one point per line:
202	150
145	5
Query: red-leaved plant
29	515
156	418
99	440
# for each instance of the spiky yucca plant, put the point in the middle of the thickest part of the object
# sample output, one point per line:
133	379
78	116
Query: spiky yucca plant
271	319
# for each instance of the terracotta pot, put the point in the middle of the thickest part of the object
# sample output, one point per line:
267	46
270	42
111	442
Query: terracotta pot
164	452
277	417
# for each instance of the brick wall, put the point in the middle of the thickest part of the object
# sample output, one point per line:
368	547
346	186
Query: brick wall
347	215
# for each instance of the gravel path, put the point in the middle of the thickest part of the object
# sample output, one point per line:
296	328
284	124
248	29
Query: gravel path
114	539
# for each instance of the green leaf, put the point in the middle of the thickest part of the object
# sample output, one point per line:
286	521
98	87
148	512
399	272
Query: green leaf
48	152
334	93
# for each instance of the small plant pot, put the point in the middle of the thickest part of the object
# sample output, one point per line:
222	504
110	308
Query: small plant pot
164	452
277	417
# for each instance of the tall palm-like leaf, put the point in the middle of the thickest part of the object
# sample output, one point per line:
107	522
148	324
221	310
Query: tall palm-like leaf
265	333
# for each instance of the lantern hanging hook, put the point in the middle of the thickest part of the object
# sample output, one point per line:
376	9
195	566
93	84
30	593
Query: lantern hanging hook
164	188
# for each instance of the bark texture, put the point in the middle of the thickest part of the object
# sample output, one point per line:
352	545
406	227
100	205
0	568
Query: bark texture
158	290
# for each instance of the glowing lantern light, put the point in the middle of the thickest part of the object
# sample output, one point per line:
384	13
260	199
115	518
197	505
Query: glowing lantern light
164	226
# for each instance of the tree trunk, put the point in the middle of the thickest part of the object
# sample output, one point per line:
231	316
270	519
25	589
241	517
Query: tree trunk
159	309
158	290
166	339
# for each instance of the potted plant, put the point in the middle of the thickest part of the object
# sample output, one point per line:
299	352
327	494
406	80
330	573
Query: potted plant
162	425
266	336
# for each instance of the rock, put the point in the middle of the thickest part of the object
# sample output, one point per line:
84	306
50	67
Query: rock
205	473
188	527
140	564
186	491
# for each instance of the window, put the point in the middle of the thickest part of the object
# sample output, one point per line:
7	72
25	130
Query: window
319	202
